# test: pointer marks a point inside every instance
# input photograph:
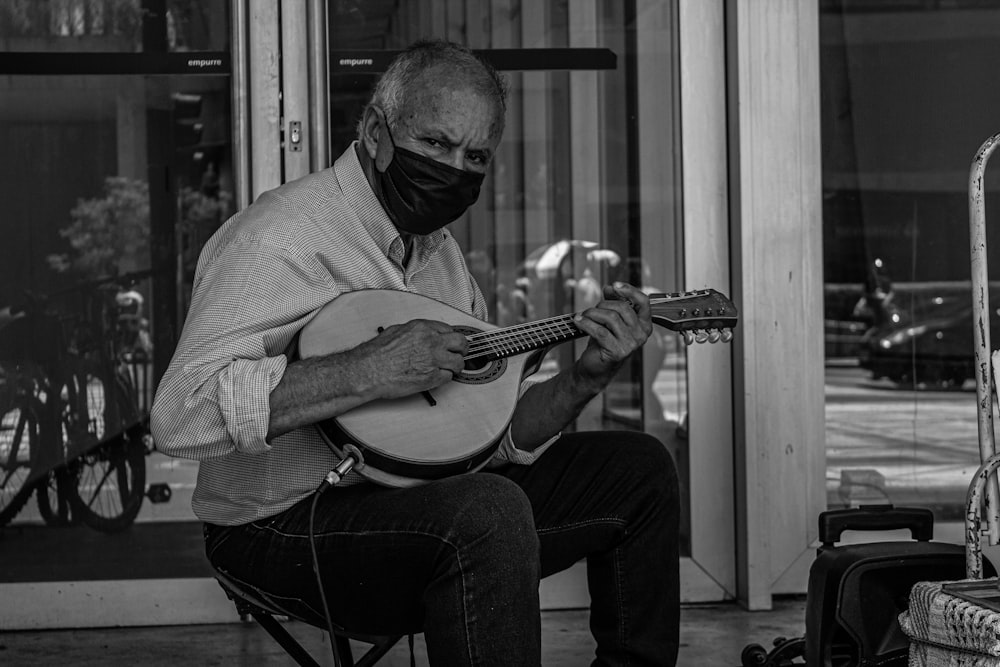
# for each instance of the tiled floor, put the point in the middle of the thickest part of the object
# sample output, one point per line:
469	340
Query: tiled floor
711	636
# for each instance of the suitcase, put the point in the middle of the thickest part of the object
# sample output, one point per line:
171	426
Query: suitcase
857	591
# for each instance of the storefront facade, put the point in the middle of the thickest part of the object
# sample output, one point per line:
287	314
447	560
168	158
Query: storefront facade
678	144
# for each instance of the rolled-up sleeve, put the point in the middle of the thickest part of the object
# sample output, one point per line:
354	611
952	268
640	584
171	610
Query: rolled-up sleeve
244	388
214	399
509	453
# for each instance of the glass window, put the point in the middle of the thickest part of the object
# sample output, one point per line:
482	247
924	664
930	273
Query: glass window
907	99
116	168
112	26
564	209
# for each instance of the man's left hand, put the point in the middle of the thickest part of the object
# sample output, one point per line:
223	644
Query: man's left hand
618	326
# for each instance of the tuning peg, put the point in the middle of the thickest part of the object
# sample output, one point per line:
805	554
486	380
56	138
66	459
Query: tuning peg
727	335
688	337
714	336
700	337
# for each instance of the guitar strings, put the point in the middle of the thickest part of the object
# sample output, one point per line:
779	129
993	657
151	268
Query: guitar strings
526	335
519	329
527	326
520	336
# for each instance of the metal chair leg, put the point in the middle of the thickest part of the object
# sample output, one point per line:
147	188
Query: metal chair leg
249	603
281	635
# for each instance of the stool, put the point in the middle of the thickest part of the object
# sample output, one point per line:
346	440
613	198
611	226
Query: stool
251	602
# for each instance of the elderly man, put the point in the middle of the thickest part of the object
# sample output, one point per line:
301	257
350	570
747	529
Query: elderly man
458	558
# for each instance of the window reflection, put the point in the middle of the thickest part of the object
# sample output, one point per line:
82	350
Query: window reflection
113	25
906	104
111	185
93	177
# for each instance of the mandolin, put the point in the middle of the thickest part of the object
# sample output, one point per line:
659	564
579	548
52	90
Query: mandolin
456	427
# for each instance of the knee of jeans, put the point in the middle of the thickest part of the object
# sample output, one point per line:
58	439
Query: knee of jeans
655	465
497	516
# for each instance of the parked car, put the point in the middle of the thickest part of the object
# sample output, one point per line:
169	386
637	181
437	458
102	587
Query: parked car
928	336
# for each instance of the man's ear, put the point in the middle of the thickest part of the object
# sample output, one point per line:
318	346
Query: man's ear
375	137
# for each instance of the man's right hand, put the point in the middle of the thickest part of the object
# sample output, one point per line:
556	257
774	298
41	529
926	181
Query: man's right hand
413	357
402	360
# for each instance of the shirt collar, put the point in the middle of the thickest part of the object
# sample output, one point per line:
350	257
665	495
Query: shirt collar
362	199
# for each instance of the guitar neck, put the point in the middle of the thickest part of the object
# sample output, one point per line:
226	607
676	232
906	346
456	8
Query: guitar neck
705	309
508	341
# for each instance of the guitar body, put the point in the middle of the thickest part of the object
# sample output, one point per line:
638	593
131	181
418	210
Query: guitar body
408	441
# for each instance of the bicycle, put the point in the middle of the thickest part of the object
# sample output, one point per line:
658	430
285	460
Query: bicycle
77	436
106	472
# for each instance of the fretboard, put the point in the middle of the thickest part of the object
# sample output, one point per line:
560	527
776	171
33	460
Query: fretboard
508	341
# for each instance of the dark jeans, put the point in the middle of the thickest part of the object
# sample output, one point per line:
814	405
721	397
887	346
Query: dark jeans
460	559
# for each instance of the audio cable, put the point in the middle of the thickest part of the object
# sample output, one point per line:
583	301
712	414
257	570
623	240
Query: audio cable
332	479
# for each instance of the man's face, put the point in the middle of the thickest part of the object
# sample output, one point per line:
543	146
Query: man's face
449	122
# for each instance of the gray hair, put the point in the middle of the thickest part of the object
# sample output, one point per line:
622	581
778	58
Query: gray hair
395	84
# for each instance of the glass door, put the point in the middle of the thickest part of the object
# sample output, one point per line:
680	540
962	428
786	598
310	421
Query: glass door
116	168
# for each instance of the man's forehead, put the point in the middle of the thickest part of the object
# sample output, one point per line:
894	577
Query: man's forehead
430	89
447	108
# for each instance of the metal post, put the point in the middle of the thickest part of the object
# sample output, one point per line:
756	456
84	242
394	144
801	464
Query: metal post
319	86
981	324
241	117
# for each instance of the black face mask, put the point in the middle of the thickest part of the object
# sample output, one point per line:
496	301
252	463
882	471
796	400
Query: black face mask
420	194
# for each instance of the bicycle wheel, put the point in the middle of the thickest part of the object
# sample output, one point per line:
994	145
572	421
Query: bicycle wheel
19	446
83	410
52	497
108	481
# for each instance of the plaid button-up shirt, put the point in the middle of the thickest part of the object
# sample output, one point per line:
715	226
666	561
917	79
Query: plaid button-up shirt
259	280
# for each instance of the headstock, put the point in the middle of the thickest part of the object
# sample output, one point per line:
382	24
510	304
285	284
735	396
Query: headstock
701	316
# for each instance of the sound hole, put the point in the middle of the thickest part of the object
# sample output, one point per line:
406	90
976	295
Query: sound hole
476	365
481	369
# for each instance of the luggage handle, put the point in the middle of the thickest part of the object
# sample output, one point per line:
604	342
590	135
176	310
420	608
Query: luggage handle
832	523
